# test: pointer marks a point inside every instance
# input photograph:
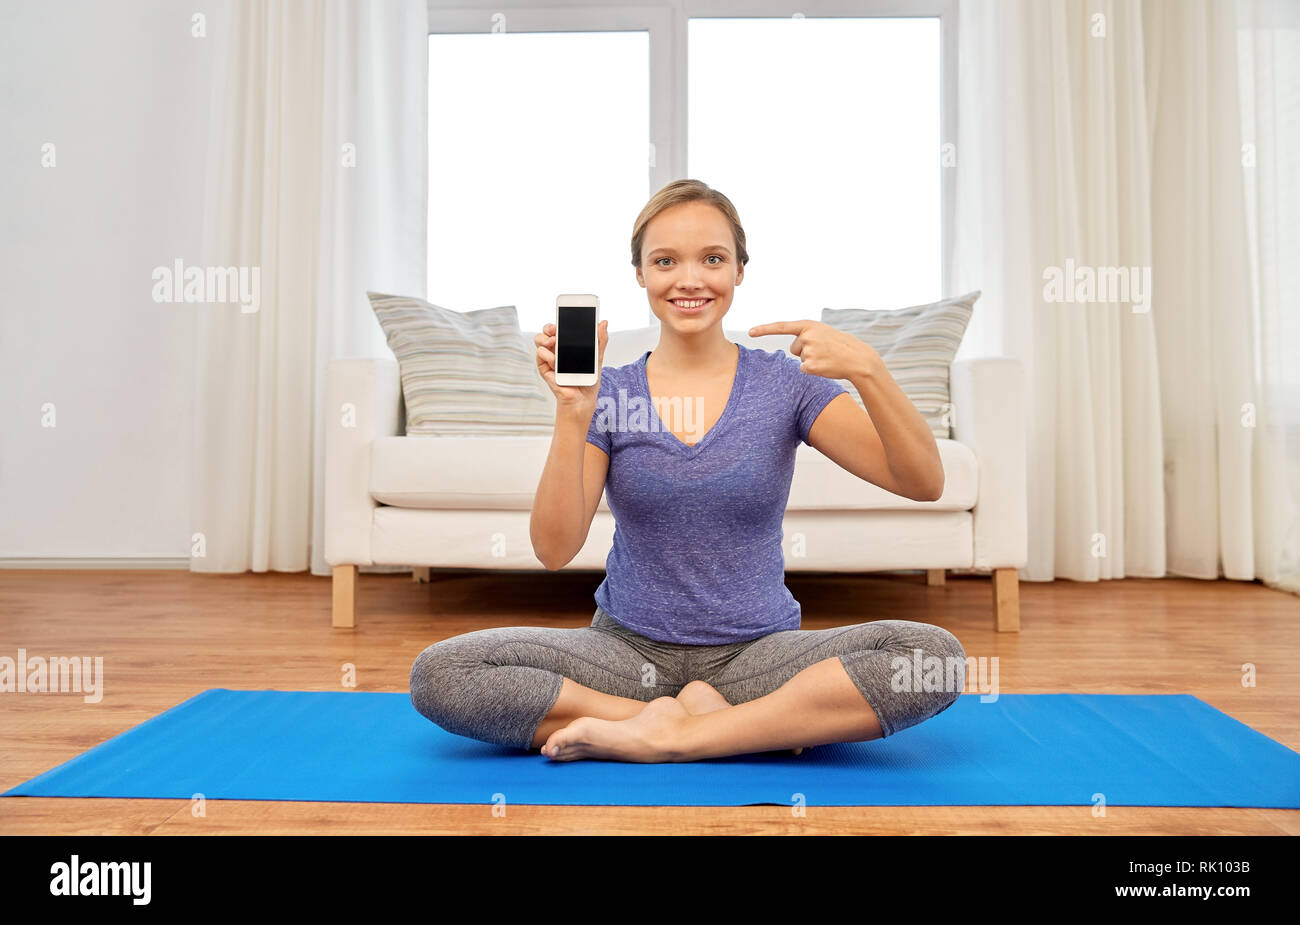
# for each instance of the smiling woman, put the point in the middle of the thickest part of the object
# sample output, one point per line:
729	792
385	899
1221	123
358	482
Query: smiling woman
695	649
688	247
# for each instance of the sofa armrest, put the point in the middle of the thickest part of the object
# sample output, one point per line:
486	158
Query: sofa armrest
363	402
989	416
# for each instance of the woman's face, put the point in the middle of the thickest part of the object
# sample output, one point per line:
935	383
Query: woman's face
688	254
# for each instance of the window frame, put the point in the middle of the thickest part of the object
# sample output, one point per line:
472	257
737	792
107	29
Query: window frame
667	24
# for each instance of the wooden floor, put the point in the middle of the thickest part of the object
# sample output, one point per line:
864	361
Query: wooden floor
168	635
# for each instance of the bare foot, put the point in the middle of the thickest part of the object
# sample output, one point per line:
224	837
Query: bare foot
653	735
702	697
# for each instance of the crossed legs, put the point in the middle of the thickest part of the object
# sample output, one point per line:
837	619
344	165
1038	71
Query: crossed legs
791	689
576	701
586	693
817	706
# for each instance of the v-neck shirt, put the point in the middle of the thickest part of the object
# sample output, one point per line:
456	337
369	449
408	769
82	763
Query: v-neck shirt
679	411
697	556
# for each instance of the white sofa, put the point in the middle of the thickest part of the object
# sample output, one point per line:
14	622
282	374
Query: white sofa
464	502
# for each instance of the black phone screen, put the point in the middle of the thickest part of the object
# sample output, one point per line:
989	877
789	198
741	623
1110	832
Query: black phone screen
576	339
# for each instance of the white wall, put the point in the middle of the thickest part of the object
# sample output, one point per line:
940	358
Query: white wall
121	89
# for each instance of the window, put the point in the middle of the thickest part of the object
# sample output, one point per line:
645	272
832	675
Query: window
536	170
826	131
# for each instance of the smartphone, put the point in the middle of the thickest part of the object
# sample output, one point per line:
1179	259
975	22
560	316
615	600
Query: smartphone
576	342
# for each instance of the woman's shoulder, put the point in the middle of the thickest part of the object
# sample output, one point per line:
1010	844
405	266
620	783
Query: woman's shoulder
771	366
773	355
613	377
625	369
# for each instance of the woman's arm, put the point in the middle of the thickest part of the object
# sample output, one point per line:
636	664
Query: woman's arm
574	477
889	445
566	499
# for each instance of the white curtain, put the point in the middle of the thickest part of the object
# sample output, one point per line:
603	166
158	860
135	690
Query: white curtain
1098	139
1268	43
317	177
1053	170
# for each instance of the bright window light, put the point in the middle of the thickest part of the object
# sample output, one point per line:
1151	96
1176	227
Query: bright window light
824	133
539	155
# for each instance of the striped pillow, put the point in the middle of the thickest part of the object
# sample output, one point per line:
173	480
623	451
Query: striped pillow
465	374
917	345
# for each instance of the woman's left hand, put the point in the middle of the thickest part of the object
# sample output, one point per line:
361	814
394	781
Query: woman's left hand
824	350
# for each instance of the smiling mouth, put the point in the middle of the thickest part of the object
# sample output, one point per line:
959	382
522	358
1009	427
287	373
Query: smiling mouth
691	305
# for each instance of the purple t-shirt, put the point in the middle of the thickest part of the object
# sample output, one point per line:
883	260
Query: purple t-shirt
697	555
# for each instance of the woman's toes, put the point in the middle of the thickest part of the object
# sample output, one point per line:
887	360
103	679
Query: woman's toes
567	738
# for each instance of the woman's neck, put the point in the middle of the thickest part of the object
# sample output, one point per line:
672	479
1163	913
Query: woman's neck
700	356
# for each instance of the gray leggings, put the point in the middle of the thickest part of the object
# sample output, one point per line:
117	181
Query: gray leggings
497	685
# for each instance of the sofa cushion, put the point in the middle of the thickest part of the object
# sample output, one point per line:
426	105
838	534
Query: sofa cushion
918	345
626	346
465	373
501	473
812	540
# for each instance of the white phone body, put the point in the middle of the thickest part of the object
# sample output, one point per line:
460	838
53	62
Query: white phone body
577	340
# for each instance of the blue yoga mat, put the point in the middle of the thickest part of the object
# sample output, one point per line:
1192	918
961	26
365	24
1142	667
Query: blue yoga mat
1017	750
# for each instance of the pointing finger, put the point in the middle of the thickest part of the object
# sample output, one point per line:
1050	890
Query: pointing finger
779	327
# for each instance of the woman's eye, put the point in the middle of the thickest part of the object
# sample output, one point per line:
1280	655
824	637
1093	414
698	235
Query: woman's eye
660	261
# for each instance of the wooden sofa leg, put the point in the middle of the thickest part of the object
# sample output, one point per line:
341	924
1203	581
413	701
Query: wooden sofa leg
345	595
1006	600
934	576
420	573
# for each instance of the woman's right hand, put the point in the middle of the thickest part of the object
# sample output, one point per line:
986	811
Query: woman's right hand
578	400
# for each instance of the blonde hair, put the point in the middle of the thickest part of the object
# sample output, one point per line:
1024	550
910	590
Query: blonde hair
676	193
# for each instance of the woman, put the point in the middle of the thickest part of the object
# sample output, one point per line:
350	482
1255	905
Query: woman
695	650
